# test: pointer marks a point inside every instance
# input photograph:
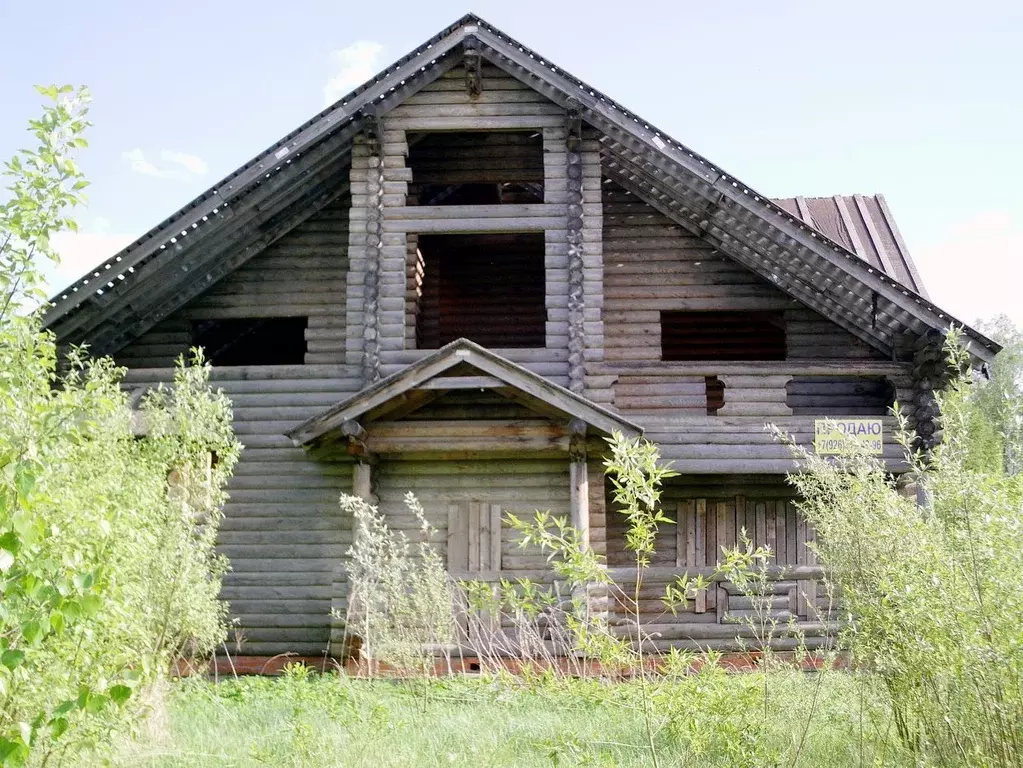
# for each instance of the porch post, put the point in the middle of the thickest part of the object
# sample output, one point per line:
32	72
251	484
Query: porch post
362	480
579	490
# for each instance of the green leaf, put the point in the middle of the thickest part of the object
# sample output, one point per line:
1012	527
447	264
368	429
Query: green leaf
31	631
26	733
96	703
66	707
10	542
6	560
58	726
120	694
12	658
7	751
91	604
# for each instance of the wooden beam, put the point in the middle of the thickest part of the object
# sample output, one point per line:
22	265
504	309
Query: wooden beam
462	382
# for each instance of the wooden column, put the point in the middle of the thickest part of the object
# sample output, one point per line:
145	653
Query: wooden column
374	213
579	491
362	481
362	470
931	373
576	293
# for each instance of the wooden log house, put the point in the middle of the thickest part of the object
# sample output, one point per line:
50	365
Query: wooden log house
463	276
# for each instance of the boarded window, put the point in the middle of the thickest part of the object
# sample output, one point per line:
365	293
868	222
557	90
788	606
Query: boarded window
488	288
840	395
722	336
252	341
476	168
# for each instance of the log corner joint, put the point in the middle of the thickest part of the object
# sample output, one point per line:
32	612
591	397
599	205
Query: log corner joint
472	61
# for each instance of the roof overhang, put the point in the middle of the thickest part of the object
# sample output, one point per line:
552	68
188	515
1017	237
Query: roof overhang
416	384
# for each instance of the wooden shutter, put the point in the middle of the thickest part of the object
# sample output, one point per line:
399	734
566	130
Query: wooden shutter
474	537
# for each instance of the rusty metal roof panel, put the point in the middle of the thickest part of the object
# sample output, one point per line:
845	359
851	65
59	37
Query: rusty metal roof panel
862	224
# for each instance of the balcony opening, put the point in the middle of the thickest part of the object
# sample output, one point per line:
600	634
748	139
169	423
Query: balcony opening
840	396
252	341
488	288
476	168
717	335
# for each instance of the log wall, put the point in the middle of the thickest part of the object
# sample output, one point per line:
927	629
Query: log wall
652	264
283	530
303	274
710	514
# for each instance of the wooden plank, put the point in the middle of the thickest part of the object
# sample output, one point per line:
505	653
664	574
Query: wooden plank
458	537
495	536
791	557
683	540
760	539
701	533
462	382
800	539
474	535
721	530
485	540
771	540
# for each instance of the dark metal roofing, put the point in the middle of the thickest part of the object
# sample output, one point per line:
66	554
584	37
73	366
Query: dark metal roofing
868	300
864	225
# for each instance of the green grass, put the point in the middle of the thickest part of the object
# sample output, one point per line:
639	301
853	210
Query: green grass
332	720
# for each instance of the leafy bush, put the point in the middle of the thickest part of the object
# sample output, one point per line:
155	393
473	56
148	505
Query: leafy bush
107	565
400	598
934	592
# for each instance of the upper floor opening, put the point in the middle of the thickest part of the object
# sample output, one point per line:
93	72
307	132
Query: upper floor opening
485	287
476	167
722	335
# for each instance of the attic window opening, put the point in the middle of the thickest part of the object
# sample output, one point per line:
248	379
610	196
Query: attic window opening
252	341
720	335
489	288
476	168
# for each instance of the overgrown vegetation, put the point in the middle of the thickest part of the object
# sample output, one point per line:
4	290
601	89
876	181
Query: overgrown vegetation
934	592
545	720
107	565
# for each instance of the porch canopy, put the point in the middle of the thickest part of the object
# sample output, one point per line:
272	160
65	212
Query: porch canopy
382	419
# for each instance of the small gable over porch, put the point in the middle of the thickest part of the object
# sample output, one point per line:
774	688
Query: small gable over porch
462	401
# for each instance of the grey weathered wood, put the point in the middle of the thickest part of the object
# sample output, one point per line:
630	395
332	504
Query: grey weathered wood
462	382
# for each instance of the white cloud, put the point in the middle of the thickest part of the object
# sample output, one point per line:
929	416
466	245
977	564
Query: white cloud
976	268
81	251
194	165
173	165
137	159
354	65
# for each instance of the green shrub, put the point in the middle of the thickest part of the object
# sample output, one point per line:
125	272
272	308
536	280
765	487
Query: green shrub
934	592
107	565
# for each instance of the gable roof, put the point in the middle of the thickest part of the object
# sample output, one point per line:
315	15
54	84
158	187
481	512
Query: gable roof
166	267
503	372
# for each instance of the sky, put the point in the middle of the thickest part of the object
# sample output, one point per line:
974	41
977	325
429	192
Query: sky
920	101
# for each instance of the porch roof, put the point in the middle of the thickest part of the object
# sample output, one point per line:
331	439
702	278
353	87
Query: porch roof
419	382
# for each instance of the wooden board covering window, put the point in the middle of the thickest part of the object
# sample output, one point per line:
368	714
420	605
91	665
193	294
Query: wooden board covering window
687	335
